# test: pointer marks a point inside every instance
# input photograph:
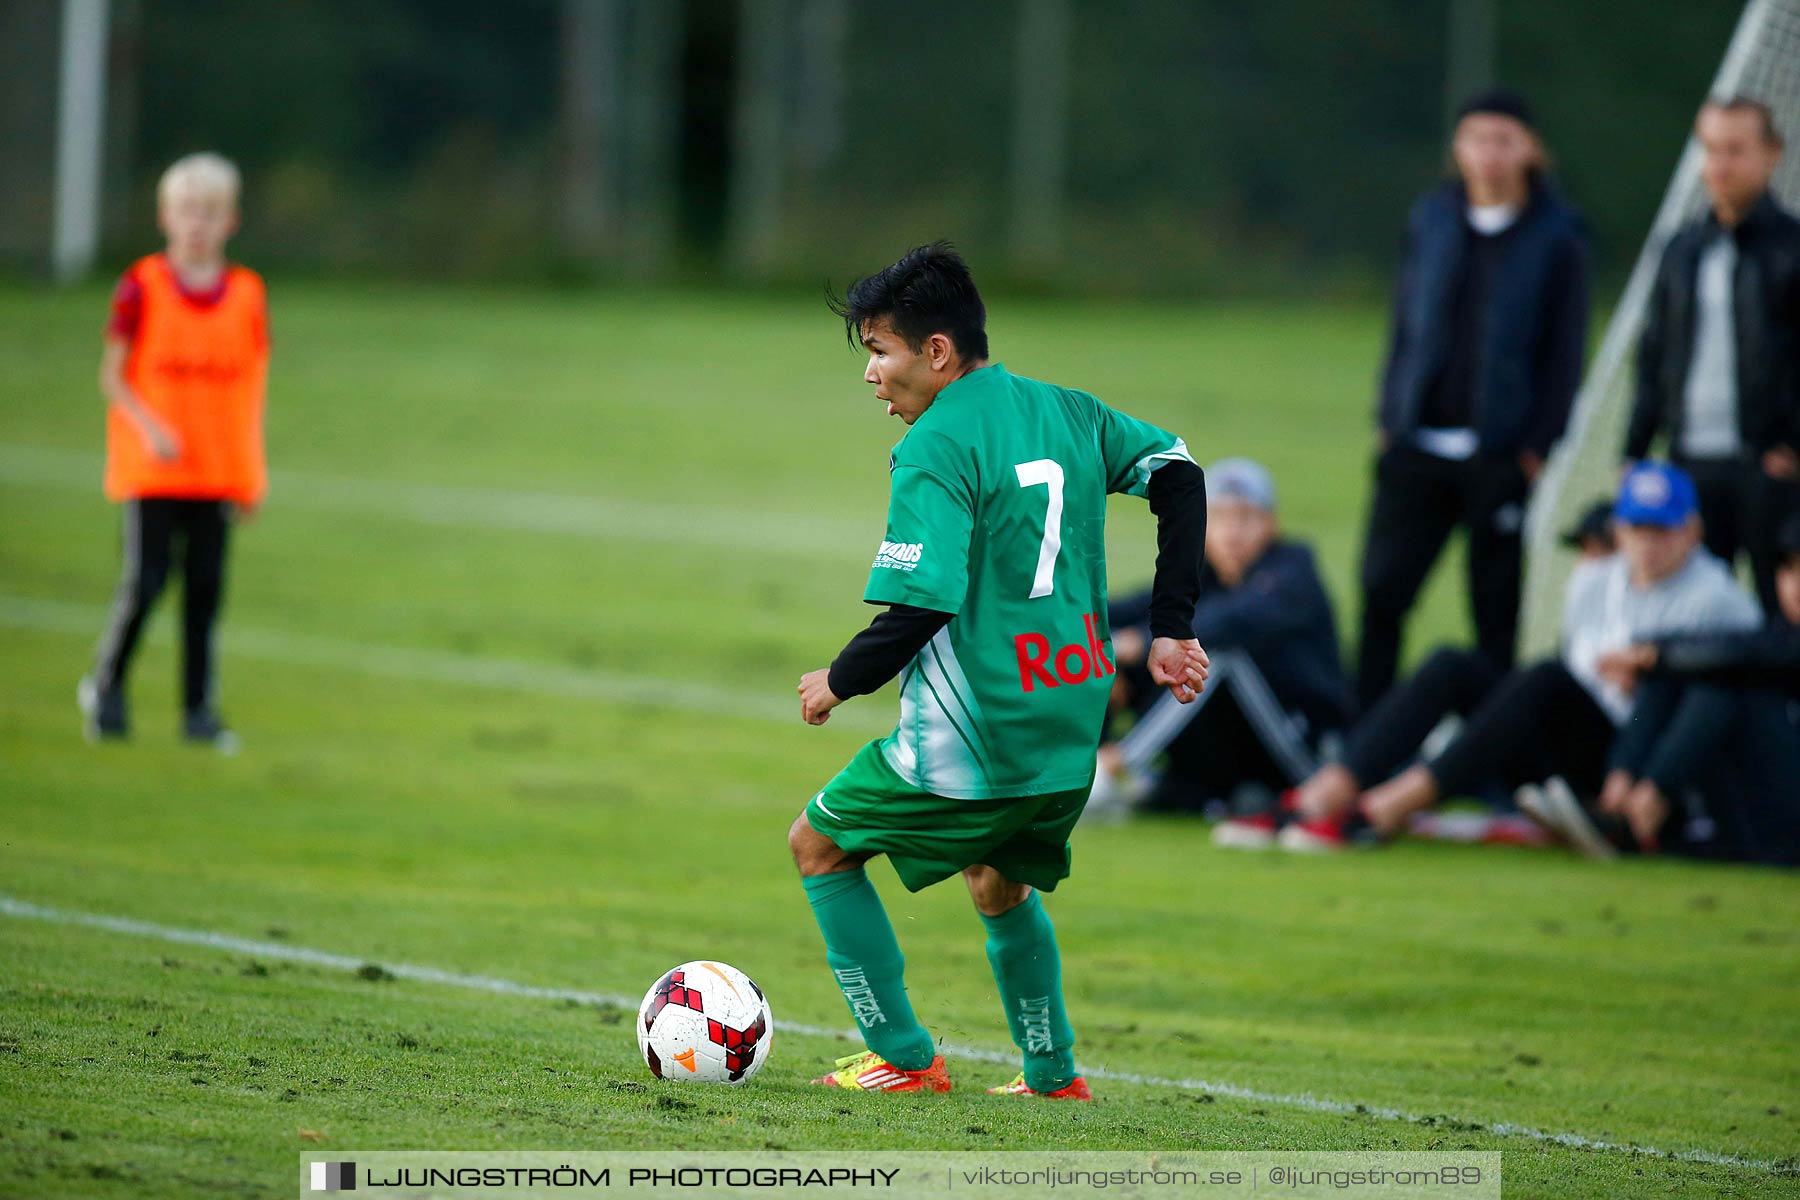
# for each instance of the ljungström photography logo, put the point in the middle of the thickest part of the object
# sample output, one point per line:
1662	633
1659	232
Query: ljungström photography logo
334	1177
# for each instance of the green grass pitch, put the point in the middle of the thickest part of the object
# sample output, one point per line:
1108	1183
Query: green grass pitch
512	649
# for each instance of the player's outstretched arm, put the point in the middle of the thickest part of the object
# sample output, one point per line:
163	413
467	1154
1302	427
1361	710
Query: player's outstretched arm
1177	495
871	658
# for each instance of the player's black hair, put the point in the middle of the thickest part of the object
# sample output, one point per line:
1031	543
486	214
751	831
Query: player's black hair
928	291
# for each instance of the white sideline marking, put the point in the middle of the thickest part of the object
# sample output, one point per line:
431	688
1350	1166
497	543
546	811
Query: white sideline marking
645	520
437	666
24	910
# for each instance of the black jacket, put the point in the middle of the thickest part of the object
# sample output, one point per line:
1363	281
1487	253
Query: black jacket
1280	615
1536	327
1766	657
1766	295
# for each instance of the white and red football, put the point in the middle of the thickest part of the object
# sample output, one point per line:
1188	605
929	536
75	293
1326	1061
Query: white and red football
705	1022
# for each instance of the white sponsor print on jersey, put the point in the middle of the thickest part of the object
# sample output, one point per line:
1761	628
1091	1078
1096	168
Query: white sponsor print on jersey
899	556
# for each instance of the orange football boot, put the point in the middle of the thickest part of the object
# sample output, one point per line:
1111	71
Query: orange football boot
870	1072
1078	1090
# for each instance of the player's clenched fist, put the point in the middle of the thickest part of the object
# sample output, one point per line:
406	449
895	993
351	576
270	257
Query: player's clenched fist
1179	665
816	697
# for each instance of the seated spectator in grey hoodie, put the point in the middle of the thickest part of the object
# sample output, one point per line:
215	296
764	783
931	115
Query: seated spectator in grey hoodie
1277	683
1713	742
1556	719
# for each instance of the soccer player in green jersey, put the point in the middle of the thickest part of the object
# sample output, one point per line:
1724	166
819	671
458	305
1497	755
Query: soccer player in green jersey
994	573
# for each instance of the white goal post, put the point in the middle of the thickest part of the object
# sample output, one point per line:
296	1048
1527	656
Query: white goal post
1762	62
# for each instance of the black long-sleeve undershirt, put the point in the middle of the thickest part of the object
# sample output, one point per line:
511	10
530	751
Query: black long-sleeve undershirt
881	651
1177	495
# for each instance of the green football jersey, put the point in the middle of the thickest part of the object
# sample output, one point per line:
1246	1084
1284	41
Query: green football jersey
998	516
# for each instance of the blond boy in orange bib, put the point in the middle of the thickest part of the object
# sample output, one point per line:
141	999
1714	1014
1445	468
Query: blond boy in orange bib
183	371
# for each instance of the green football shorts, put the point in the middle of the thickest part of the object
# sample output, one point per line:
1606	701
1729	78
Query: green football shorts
868	809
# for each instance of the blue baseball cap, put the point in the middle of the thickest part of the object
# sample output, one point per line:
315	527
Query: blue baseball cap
1241	479
1654	493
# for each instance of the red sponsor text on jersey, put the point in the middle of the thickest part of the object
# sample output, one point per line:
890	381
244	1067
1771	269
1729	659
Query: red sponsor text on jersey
1072	663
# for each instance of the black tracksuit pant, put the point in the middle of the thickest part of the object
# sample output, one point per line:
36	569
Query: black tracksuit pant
1236	731
1389	734
1419	500
1537	722
1737	747
1742	508
155	532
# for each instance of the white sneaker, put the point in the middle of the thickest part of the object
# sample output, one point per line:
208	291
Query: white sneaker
1554	806
1528	798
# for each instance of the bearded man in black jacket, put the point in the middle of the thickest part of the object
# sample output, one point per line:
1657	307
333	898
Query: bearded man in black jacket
1719	363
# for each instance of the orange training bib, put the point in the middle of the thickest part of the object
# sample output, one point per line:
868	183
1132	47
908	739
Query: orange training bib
200	369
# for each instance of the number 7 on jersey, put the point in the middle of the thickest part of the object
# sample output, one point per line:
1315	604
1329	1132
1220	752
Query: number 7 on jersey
1049	472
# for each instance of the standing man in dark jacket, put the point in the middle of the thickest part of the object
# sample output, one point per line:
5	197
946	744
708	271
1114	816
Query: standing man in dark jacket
1489	327
1719	363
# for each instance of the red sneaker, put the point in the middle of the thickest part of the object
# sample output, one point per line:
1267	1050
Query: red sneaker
1313	837
1246	833
1078	1090
870	1072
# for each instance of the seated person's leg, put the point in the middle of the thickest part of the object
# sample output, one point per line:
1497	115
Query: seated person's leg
1278	732
1698	728
1537	722
1771	767
1122	777
1388	734
1739	746
1209	755
1235	732
1652	708
1165	720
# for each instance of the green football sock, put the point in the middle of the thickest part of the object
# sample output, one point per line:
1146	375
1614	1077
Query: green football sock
866	961
1021	946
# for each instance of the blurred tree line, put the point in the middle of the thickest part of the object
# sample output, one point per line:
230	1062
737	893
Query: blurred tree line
1173	146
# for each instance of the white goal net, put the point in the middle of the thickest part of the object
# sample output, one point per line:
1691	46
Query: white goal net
1762	62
